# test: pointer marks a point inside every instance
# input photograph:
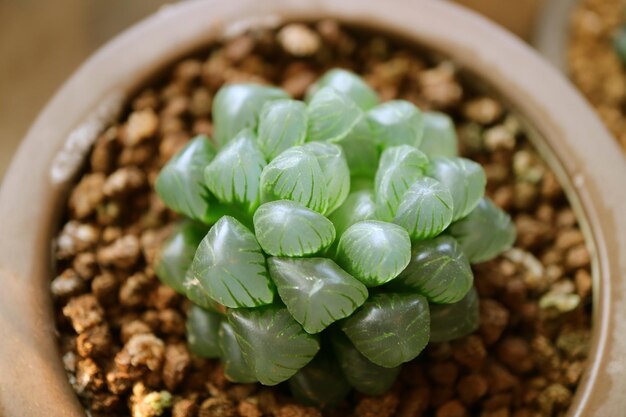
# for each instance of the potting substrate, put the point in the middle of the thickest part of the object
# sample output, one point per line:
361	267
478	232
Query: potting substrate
122	332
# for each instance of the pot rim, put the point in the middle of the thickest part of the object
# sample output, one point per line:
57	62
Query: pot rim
36	183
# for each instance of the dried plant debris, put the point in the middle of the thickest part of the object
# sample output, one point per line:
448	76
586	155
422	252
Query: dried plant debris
122	332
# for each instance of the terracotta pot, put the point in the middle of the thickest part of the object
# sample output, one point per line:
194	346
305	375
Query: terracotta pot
32	380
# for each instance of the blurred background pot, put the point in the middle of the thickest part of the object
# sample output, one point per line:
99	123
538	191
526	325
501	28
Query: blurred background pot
551	34
32	379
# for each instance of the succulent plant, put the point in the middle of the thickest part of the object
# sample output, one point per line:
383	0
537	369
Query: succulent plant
327	241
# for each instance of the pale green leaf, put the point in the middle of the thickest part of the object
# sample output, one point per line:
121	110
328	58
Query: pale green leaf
438	270
350	84
236	368
361	150
440	137
396	122
202	332
180	183
287	228
335	169
390	329
332	115
237	106
399	167
453	321
485	233
374	252
465	179
295	175
282	124
234	175
425	209
176	253
358	206
363	375
316	291
230	267
273	344
320	383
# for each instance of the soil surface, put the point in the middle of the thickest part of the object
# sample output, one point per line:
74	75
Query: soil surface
593	64
122	333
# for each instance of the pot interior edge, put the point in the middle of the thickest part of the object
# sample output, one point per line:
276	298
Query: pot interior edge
550	155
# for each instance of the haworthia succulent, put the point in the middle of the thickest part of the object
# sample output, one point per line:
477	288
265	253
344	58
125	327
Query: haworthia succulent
440	137
350	84
359	205
335	169
282	124
438	270
374	252
464	179
296	175
320	383
425	209
361	150
230	267
399	167
234	175
316	291
238	106
202	332
390	329
453	321
332	115
486	232
176	253
180	183
235	366
273	344
396	122
287	228
362	374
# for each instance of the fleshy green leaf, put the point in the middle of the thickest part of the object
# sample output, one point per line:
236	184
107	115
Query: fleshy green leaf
235	367
332	115
619	43
361	150
180	183
230	267
399	167
438	270
237	106
464	179
287	228
283	124
202	332
295	175
425	209
234	175
176	253
320	383
335	169
485	233
273	344
439	135
350	84
396	122
316	291
365	376
374	252
453	321
390	329
358	206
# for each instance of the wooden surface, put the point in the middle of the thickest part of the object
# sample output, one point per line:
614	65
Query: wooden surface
43	41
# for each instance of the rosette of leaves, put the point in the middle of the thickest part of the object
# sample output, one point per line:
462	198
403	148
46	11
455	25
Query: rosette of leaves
327	241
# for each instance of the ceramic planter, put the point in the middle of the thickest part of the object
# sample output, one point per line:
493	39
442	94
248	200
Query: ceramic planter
32	380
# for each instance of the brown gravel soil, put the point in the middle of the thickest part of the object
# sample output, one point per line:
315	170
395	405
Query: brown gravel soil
122	333
593	64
